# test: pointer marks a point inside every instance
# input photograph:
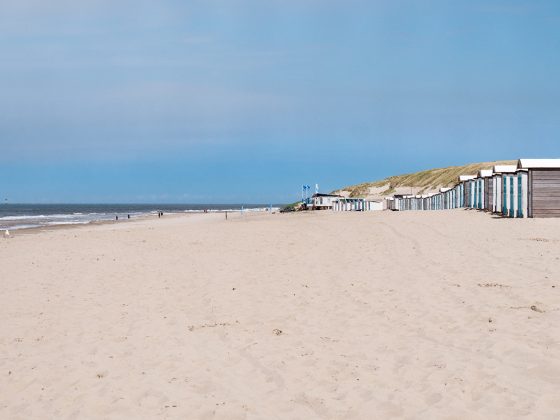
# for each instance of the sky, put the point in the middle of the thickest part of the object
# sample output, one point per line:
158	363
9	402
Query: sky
243	101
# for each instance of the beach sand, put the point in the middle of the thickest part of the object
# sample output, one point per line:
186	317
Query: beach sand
439	315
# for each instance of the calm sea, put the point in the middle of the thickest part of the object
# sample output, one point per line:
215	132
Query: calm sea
23	216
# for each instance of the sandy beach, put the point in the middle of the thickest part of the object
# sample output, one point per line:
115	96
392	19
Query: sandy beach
379	315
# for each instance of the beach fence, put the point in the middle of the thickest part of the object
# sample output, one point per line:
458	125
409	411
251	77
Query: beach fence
529	189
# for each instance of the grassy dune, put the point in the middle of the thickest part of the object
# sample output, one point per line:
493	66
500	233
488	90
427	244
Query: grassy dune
430	179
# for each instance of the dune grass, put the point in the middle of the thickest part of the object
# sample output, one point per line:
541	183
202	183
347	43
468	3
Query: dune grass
425	180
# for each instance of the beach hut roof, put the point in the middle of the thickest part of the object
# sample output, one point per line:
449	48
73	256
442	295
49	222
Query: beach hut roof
326	195
503	169
466	177
485	173
538	163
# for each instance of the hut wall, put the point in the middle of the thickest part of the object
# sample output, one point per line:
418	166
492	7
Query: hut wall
497	194
488	193
505	195
522	194
510	195
544	193
482	194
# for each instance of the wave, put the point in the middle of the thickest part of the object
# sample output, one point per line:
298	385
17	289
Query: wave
80	216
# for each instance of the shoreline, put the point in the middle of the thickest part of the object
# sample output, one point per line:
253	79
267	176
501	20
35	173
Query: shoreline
136	218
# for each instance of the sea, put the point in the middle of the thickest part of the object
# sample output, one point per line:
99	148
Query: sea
27	216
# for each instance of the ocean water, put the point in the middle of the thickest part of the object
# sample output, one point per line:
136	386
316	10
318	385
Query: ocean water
25	216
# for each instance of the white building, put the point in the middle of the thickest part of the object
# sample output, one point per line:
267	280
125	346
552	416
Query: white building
324	201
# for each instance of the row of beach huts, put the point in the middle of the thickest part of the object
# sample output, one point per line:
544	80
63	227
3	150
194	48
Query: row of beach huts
529	189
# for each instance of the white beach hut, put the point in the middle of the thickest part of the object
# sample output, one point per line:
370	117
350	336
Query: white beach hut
515	194
445	198
466	191
485	189
324	201
497	187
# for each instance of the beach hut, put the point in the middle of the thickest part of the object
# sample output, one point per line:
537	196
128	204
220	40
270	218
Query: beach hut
445	198
542	188
515	194
466	190
485	188
456	196
471	193
507	195
358	204
497	187
403	202
324	201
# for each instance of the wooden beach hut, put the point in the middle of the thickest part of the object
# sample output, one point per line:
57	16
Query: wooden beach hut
507	195
515	194
445	198
464	182
458	195
497	188
357	204
486	189
542	190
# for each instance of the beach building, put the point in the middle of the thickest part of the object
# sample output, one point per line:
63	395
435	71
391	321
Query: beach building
323	201
497	185
445	198
400	202
356	204
515	192
484	189
538	182
529	189
508	202
466	190
458	195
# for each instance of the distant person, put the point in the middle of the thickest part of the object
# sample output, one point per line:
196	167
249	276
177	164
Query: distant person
116	217
129	216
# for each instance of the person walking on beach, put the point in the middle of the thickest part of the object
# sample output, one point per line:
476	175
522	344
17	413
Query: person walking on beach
117	218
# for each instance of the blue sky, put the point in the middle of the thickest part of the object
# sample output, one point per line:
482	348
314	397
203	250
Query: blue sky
244	100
